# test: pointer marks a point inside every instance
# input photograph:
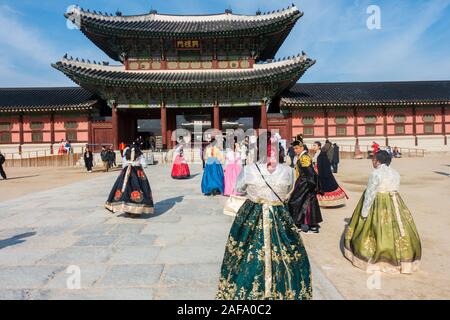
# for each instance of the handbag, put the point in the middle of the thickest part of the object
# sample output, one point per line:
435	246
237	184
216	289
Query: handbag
233	204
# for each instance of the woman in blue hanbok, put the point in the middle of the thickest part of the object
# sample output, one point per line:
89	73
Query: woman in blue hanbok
213	178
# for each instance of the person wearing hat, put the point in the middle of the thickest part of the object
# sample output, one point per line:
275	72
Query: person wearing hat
303	203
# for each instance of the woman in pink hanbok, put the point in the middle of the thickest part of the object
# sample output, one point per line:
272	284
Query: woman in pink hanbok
232	171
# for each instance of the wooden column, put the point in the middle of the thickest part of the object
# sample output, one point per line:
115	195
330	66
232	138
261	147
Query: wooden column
21	139
170	128
216	116
385	131
443	125
115	127
355	123
164	125
414	126
263	124
52	132
325	117
90	129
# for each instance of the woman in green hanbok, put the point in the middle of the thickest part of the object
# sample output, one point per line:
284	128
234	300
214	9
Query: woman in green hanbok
264	256
382	235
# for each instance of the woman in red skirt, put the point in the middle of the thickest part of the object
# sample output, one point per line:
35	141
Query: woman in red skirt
180	169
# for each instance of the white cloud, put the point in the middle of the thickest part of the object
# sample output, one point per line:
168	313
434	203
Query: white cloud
333	32
22	39
25	55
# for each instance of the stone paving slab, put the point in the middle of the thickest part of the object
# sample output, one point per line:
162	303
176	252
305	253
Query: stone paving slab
94	294
175	253
17	277
142	275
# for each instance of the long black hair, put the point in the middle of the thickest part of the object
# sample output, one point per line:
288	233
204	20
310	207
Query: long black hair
383	157
137	153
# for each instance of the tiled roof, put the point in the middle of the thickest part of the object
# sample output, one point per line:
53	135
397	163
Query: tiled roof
366	94
163	24
118	36
82	73
45	99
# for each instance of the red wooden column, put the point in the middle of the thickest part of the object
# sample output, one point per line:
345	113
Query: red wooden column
21	139
263	124
89	118
355	124
115	127
415	126
325	116
216	116
164	125
171	127
52	132
385	131
443	125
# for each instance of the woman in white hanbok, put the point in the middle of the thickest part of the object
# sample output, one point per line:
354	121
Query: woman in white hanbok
264	256
382	235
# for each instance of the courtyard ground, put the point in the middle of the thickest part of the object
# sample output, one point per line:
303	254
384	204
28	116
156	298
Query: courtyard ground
51	219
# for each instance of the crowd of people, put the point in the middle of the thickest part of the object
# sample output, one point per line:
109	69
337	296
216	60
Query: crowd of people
65	147
392	152
274	204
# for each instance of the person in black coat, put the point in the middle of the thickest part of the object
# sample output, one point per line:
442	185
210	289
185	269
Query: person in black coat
88	159
2	161
335	161
326	179
330	193
303	203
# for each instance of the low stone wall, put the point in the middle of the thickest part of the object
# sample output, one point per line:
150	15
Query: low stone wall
430	143
12	151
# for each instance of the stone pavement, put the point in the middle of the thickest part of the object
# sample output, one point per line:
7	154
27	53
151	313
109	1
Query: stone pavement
46	237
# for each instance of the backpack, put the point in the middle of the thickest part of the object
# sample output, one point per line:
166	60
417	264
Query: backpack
2	159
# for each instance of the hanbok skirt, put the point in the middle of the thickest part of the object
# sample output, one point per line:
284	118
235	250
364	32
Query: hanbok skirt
180	169
304	206
264	257
332	199
131	193
387	240
231	174
212	180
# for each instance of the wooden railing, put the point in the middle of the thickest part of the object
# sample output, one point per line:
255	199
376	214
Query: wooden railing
63	160
36	159
348	151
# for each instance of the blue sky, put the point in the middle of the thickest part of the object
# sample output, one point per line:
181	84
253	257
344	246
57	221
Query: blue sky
412	44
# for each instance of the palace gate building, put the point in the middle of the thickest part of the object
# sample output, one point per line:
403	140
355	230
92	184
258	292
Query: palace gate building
218	70
173	72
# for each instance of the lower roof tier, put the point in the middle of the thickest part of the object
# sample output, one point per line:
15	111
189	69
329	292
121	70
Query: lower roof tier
277	76
46	99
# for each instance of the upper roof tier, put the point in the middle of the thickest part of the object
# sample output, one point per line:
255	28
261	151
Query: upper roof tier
113	34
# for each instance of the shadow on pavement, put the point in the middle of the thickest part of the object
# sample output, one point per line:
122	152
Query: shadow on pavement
17	239
161	207
442	173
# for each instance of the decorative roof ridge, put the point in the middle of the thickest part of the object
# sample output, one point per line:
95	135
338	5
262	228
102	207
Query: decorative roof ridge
286	61
76	11
371	82
41	88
